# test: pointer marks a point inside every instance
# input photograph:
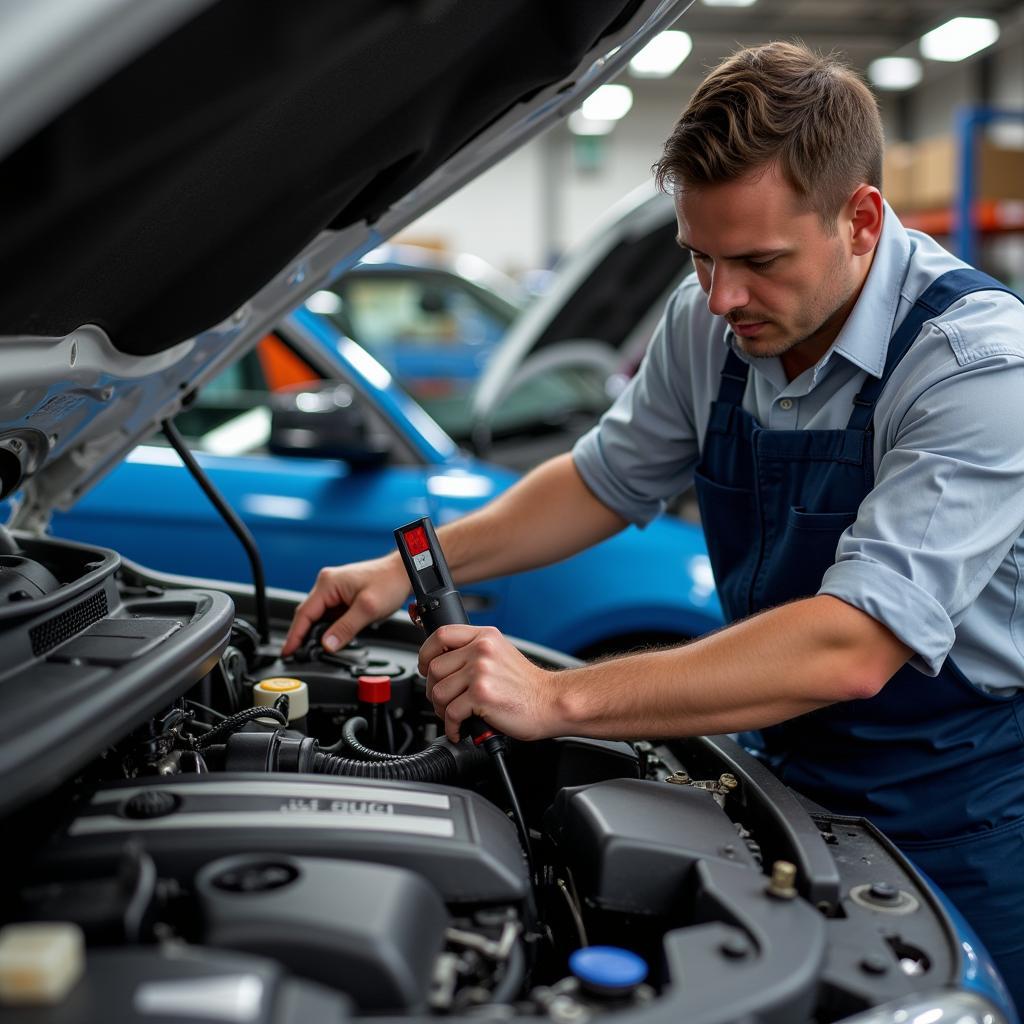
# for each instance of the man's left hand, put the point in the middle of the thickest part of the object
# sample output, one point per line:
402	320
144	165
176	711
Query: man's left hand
474	670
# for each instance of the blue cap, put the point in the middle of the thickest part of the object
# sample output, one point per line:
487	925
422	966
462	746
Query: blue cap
608	969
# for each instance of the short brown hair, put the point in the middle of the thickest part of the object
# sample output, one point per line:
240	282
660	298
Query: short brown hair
778	103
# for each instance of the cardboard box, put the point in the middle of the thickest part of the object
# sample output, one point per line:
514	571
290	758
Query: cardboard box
928	178
896	175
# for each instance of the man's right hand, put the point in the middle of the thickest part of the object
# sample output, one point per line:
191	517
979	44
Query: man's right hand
362	592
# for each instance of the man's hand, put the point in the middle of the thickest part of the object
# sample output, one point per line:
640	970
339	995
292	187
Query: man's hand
363	592
474	670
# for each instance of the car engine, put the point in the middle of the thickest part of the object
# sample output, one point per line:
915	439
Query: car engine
218	853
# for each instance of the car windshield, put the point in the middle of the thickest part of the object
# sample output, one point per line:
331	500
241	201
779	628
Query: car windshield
420	309
432	329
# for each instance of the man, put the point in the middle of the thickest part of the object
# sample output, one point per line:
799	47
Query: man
851	415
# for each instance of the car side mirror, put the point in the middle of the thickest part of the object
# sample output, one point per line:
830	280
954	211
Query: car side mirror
325	420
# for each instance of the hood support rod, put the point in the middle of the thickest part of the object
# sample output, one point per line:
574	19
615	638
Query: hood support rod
240	530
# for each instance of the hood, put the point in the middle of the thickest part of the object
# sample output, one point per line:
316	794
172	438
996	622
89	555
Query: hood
175	177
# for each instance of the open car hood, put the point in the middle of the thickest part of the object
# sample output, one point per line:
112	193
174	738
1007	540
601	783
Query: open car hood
176	177
605	300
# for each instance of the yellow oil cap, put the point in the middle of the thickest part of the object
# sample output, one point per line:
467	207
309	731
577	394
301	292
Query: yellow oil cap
266	691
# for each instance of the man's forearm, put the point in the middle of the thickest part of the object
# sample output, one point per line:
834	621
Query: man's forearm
758	672
548	515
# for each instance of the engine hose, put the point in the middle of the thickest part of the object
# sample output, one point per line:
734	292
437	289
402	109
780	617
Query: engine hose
236	721
361	750
435	764
512	980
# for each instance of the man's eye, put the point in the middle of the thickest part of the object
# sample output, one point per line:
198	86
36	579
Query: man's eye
762	264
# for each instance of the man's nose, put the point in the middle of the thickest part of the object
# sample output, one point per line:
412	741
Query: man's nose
726	293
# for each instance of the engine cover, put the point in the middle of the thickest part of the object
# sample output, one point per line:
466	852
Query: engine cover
455	839
371	930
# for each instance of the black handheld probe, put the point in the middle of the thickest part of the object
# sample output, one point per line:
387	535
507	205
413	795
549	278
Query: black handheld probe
437	603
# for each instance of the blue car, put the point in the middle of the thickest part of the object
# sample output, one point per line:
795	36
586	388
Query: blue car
315	445
431	318
199	830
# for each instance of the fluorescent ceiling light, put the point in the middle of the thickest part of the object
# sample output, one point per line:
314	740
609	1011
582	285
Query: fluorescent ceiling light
895	72
662	55
324	302
729	3
959	38
580	124
608	103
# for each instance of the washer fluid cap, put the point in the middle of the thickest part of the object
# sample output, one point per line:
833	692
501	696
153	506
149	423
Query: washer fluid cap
280	684
375	689
608	970
266	691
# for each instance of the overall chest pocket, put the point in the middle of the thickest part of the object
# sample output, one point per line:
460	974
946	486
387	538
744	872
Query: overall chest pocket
800	519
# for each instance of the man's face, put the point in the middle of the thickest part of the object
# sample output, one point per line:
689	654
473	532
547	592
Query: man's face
767	264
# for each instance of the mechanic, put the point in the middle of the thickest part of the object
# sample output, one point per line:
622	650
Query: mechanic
852	417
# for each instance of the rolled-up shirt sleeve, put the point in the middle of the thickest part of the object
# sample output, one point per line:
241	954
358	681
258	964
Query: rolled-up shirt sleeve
643	450
946	507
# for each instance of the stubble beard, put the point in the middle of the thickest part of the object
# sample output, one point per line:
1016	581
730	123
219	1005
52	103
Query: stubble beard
820	324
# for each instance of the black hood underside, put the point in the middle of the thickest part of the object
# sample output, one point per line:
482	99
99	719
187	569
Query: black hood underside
161	201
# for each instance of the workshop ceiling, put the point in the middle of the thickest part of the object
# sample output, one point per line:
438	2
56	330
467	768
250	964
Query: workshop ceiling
861	29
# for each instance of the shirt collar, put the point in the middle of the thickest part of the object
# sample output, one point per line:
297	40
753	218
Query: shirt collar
864	338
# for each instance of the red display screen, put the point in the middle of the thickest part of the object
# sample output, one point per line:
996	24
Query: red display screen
416	540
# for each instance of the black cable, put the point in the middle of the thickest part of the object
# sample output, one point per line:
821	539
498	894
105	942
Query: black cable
498	756
240	530
236	721
208	710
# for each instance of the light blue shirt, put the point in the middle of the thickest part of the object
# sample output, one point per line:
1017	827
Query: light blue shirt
936	552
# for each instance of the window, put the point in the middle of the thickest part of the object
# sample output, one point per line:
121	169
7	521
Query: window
426	310
230	414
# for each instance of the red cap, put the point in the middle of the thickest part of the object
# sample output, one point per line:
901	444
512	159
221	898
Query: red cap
375	689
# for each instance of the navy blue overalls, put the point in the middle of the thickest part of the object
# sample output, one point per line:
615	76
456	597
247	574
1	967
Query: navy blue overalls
937	763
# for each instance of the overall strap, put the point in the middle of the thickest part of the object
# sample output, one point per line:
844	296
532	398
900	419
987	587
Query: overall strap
734	380
937	298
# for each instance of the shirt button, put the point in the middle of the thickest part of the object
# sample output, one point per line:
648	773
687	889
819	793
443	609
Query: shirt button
785	404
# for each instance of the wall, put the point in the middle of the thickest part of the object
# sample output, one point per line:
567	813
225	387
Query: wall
541	200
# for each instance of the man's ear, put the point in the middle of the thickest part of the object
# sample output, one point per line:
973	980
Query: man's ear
862	217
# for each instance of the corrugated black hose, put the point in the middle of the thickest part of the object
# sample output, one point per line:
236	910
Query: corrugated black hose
435	764
360	749
442	761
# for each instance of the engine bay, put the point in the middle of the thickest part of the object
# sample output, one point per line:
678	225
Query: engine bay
236	837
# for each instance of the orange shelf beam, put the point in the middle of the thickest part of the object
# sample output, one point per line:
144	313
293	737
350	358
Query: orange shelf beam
989	215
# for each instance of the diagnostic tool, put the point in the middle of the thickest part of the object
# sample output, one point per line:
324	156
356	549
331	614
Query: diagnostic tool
437	603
